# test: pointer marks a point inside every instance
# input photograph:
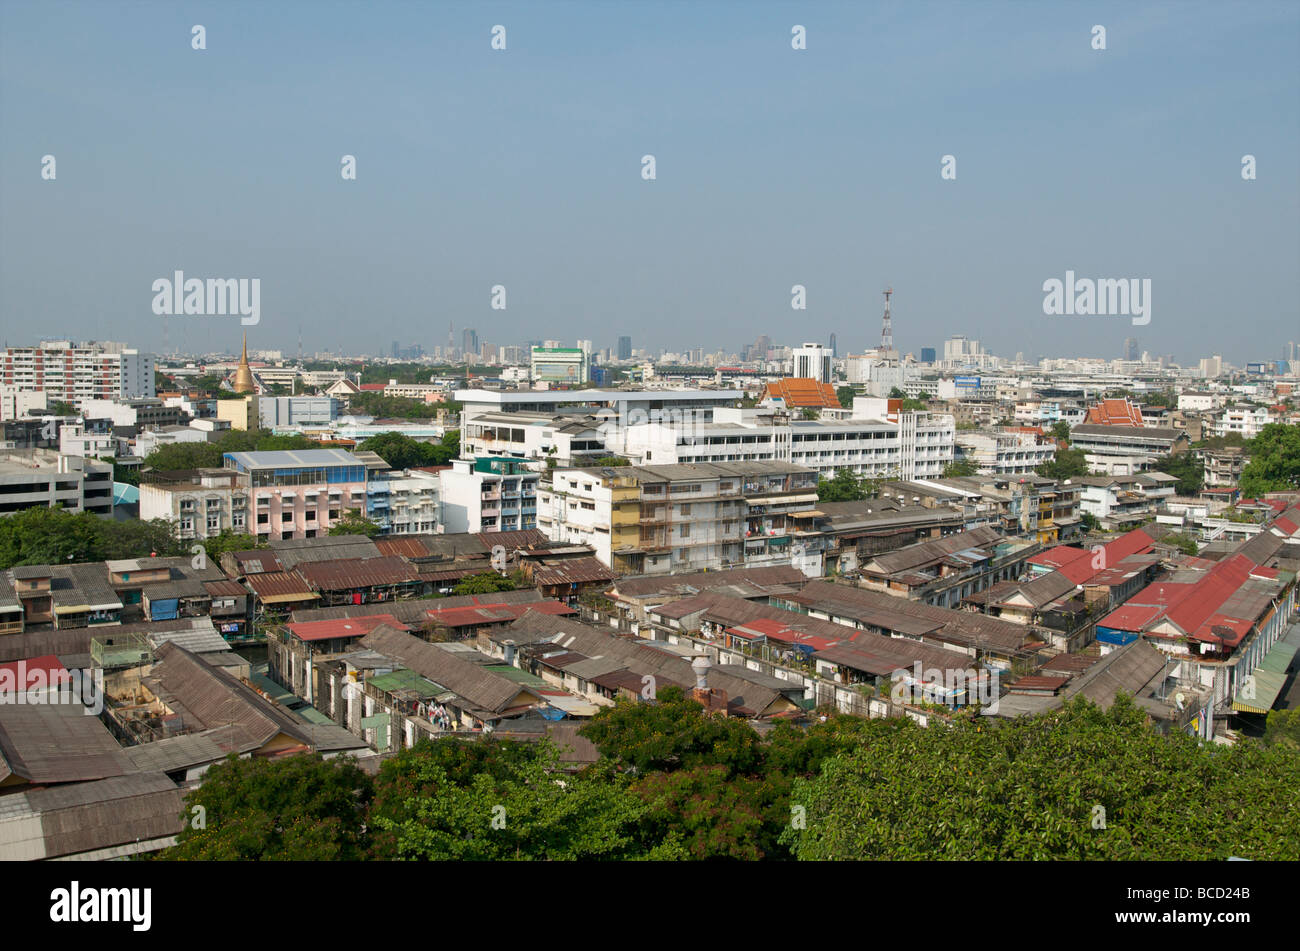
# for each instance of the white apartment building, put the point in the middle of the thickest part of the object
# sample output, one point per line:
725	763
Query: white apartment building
81	372
16	403
1199	402
488	494
74	440
201	504
904	445
1246	421
1003	453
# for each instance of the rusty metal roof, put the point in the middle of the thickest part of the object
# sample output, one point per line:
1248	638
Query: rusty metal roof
350	573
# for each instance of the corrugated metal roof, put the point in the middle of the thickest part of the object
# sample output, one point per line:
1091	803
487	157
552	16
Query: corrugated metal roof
57	743
351	573
275	587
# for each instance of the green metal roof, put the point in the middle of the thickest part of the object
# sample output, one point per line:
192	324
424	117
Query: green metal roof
517	675
405	680
1268	679
312	715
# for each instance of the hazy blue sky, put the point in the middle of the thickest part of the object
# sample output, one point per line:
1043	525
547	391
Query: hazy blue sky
818	167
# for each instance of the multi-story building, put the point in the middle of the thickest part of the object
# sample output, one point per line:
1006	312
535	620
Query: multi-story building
407	503
1245	421
670	518
31	478
1120	502
903	445
76	440
73	373
297	410
142	413
560	365
1004	453
201	503
300	493
1123	450
488	494
17	403
812	361
1223	466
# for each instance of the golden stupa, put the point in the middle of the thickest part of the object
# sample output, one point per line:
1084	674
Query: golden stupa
243	381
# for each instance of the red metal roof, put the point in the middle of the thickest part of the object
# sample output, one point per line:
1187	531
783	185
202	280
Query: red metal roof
23	675
343	627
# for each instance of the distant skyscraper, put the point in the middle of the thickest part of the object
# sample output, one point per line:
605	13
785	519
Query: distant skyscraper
1130	348
1289	350
835	350
469	340
927	354
625	348
887	326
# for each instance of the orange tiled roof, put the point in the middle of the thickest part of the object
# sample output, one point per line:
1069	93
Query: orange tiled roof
802	392
1115	413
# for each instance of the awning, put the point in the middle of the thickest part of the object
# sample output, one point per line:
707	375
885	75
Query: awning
1266	682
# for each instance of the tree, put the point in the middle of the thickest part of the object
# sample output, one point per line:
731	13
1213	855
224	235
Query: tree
1274	463
218	545
487	583
403	452
1282	728
1068	464
672	732
1186	468
960	467
493	799
810	413
354	523
845	395
300	808
185	455
613	461
1061	430
1076	783
896	394
846	487
55	536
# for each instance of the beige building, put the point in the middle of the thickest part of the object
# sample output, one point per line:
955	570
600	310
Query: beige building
673	518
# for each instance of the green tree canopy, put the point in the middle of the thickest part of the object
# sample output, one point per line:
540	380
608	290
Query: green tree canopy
1068	464
353	522
846	487
1079	783
55	536
1186	468
403	452
1274	462
300	808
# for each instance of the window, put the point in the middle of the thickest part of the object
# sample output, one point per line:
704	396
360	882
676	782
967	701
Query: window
685	531
286	517
263	518
686	508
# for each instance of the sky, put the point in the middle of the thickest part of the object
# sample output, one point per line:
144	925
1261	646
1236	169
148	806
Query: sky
774	167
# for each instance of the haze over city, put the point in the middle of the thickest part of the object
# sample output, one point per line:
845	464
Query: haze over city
774	167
